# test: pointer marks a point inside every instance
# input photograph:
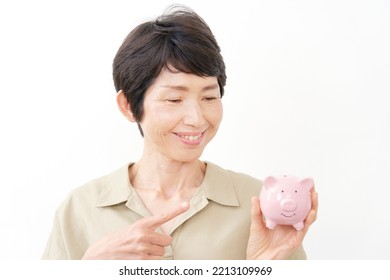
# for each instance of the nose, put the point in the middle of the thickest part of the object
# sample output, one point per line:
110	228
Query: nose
288	204
193	115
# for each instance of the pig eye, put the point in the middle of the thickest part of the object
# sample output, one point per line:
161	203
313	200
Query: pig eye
282	191
296	191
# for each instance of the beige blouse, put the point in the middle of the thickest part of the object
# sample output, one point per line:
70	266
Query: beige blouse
215	227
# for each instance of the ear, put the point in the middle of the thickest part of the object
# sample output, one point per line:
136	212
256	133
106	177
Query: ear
307	183
269	182
124	106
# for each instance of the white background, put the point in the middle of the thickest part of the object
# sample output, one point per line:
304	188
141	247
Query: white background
307	94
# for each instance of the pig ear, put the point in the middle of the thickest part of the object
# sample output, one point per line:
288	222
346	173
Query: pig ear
307	183
269	182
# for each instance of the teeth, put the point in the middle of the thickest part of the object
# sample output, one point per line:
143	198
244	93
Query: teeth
191	138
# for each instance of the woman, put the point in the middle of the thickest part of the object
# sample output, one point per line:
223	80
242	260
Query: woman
170	78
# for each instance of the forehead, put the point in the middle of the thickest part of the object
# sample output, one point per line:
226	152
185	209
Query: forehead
173	79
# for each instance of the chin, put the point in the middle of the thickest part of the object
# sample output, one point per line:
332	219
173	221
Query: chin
187	157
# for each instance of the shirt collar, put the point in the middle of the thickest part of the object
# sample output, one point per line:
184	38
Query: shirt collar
116	188
217	186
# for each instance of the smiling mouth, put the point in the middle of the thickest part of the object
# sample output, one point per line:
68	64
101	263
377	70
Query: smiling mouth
284	215
190	138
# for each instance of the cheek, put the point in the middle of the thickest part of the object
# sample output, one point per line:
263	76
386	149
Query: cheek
159	115
215	115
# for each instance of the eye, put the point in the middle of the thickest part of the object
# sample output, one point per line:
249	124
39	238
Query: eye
296	191
282	191
174	100
210	98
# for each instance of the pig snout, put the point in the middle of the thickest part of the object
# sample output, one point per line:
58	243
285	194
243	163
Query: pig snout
288	204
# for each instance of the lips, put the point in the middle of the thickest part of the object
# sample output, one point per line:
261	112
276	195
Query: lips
192	138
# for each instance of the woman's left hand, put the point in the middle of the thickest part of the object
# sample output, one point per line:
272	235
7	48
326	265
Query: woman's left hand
278	243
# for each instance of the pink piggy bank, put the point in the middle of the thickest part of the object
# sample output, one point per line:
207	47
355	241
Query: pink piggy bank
285	200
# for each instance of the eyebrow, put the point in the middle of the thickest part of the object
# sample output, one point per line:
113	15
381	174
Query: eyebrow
184	88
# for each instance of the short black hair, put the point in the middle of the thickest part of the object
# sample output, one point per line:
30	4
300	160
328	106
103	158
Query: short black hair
178	38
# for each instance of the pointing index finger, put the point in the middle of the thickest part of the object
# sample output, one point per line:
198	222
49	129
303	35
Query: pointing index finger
157	220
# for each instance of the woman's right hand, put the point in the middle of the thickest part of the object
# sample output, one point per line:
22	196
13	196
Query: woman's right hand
139	241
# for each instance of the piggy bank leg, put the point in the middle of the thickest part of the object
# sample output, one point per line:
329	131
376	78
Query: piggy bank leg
299	226
270	224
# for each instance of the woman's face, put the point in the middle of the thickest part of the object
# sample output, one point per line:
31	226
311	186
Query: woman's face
181	114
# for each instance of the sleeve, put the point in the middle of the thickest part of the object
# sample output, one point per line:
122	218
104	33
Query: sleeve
55	249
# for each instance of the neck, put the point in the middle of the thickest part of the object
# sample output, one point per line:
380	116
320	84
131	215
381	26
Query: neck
166	176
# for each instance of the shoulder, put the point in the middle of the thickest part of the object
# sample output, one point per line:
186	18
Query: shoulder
77	221
98	189
242	183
